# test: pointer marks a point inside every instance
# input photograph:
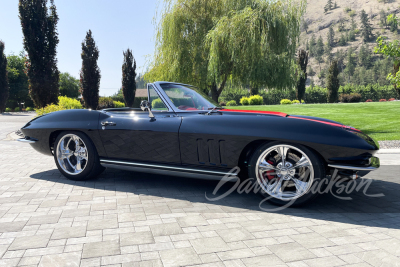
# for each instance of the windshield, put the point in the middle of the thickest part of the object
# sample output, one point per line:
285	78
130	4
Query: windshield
186	97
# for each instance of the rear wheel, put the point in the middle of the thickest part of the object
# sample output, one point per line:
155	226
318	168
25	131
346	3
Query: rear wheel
286	173
76	156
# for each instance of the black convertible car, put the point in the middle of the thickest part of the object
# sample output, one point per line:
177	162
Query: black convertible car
181	131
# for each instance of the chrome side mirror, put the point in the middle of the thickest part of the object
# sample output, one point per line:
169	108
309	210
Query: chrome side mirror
146	106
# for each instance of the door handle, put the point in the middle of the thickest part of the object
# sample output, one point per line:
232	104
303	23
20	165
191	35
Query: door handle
108	123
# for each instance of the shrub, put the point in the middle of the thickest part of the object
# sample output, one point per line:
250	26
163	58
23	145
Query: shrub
231	103
369	100
69	103
316	94
233	94
105	102
49	109
347	9
222	103
297	101
244	101
157	103
29	109
119	104
8	109
392	99
382	100
63	104
256	100
17	109
350	98
352	13
286	102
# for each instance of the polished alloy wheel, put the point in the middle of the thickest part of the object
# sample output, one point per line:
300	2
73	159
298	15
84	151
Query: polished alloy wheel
72	154
284	172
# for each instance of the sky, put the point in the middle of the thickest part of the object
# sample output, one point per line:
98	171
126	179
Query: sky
116	25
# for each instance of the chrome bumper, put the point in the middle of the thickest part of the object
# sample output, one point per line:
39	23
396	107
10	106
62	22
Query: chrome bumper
374	165
29	141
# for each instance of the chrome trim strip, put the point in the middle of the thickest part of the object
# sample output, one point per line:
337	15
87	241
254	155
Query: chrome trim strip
344	167
29	141
164	167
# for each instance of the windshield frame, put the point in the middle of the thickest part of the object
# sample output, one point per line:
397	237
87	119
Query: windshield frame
168	101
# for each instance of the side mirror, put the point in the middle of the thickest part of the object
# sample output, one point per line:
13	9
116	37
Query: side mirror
145	106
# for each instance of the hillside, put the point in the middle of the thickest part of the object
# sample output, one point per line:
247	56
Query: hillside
319	22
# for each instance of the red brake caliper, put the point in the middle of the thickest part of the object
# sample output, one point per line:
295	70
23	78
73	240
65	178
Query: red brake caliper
270	174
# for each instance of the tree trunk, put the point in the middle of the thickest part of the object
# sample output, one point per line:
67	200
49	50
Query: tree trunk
214	92
253	91
395	71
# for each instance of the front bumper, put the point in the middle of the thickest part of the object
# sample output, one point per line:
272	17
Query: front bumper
27	140
374	165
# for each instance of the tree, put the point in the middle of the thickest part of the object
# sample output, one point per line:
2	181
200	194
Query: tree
328	6
3	79
90	72
341	27
312	44
393	22
141	82
39	26
366	28
302	62
128	78
69	85
331	37
383	18
392	51
364	56
18	81
304	25
319	51
332	82
342	40
205	43
350	64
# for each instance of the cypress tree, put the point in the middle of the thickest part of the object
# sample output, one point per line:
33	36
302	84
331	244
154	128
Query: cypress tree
128	78
319	51
4	89
332	82
331	37
302	61
90	72
39	26
312	44
328	6
366	28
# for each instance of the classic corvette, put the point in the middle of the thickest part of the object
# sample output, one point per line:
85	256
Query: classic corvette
180	131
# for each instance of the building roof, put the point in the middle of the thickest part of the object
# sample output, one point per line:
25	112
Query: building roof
141	93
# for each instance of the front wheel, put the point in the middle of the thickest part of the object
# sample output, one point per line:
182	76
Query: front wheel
76	156
286	174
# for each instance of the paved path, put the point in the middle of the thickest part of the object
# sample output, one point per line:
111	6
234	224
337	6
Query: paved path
134	219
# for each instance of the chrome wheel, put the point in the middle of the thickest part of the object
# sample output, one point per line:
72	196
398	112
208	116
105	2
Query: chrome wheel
72	154
284	172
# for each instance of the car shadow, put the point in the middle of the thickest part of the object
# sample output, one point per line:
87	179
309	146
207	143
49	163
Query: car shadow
363	208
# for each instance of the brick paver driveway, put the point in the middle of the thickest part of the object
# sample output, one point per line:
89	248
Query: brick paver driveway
135	219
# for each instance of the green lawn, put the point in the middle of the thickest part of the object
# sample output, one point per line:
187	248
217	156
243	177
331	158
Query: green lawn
381	121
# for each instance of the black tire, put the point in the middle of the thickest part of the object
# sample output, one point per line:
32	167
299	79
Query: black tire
92	167
318	166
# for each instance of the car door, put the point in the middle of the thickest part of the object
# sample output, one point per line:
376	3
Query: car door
132	135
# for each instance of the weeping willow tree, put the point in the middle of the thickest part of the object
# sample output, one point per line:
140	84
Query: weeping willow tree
207	43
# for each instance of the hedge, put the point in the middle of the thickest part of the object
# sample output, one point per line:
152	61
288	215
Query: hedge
315	95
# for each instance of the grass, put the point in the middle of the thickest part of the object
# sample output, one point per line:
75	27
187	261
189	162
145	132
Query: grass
381	121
